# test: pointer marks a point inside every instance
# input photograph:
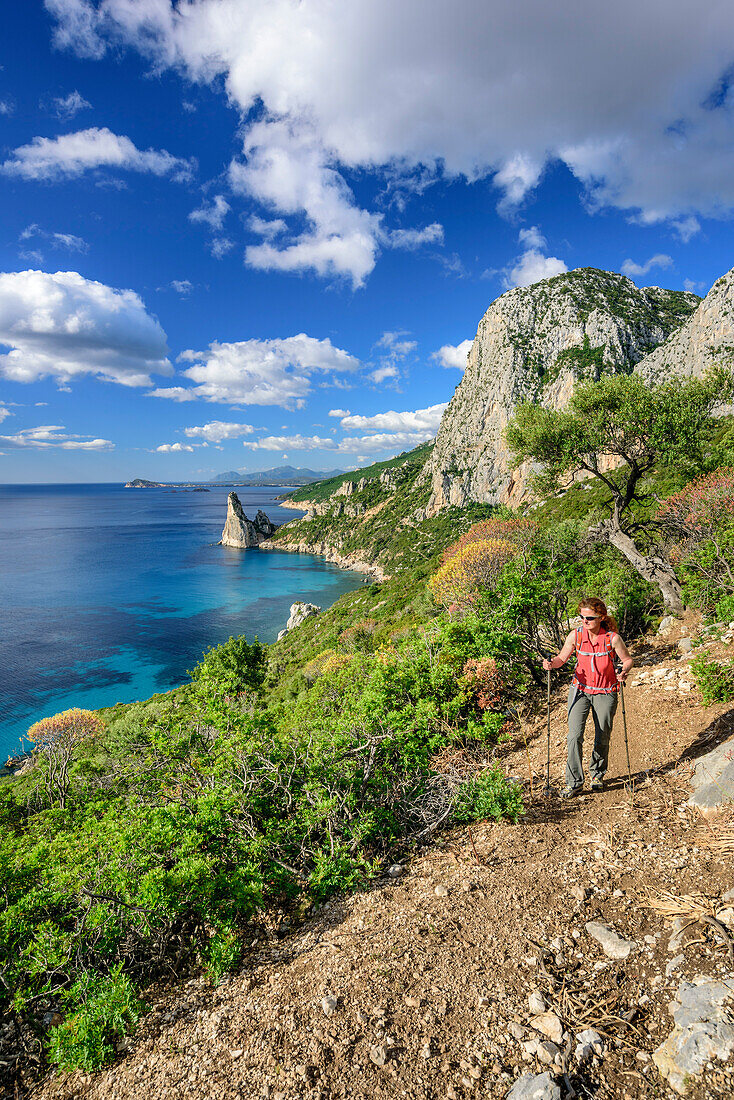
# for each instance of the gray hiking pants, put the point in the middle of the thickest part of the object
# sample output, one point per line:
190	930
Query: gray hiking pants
603	708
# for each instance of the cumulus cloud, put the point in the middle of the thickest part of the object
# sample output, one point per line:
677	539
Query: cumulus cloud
71	155
453	355
4	411
350	445
217	430
424	90
53	435
171	448
287	169
6	107
66	107
211	214
421	420
260	372
339	412
532	265
635	270
64	326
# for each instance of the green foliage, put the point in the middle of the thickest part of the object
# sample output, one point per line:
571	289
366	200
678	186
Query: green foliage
714	678
622	418
188	817
108	1008
322	490
488	797
232	668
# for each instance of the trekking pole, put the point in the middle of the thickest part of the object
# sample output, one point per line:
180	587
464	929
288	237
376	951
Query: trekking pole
626	740
547	769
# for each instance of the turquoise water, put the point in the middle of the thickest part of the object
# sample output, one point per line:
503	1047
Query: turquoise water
109	594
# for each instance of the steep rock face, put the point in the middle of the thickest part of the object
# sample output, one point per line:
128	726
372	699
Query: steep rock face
707	337
300	611
241	532
533	344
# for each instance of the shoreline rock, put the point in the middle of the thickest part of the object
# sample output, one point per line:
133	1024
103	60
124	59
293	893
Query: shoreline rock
323	550
241	532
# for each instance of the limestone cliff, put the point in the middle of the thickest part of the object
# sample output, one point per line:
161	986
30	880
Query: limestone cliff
707	337
533	344
241	532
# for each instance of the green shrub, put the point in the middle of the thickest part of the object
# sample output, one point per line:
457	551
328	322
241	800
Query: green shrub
109	1008
715	679
488	796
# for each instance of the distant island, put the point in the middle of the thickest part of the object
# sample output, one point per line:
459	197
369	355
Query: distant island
280	476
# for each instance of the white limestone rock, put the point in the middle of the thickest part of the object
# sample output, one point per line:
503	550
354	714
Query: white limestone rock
703	1032
530	347
241	532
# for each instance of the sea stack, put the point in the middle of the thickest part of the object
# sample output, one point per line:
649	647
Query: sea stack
241	532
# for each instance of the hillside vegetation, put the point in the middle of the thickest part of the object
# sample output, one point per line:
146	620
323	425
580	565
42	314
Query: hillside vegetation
170	836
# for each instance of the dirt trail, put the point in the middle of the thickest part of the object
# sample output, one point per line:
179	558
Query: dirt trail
418	988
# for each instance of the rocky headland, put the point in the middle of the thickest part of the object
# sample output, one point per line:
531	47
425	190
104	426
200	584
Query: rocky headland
241	532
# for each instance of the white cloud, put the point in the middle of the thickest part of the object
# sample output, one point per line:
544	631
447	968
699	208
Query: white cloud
453	355
266	228
170	448
633	270
339	412
57	240
212	214
260	372
4	411
182	287
6	107
64	326
53	435
693	287
381	374
174	393
517	176
350	445
532	238
686	228
70	155
411	239
532	265
287	169
220	246
66	107
421	420
423	89
217	430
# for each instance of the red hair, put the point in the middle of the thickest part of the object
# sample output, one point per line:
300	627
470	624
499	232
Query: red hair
600	607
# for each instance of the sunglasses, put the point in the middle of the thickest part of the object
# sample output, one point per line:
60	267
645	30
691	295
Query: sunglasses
589	618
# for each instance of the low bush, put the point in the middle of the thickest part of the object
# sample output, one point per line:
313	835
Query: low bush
715	679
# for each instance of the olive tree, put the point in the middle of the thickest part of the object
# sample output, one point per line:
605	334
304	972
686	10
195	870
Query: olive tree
618	429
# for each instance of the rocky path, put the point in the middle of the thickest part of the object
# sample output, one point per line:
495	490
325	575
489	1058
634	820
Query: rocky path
538	961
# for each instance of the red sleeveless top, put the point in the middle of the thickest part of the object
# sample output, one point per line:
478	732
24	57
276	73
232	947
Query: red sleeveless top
594	673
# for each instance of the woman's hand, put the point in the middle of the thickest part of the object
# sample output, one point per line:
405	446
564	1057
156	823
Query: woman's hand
547	665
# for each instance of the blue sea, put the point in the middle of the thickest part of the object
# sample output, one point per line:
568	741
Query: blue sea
110	594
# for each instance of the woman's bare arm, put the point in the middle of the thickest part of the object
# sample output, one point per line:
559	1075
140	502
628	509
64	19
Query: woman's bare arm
562	657
624	655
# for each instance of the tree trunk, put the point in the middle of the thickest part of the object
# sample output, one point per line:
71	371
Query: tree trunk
653	568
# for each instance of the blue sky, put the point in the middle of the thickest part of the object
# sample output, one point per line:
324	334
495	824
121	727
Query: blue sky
237	233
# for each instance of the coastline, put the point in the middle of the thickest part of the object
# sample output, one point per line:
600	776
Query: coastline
323	550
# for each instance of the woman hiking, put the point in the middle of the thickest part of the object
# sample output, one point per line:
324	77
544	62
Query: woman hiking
594	688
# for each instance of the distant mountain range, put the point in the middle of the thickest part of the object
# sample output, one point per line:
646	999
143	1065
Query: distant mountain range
281	475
